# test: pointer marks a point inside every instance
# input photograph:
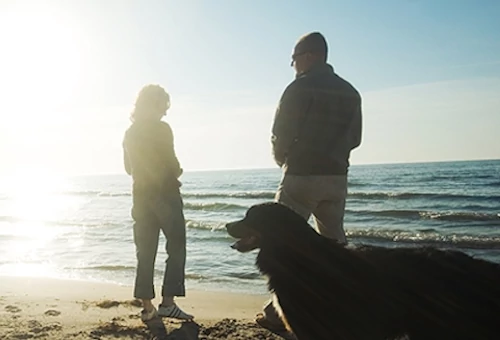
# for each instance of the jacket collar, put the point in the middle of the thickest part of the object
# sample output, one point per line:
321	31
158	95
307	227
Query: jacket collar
319	68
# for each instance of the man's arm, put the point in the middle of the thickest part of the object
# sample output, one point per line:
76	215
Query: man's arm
357	126
288	118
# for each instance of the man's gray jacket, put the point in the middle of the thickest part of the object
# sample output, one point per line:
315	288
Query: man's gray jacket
317	124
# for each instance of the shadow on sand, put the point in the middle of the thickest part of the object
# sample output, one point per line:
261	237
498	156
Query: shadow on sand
187	330
223	329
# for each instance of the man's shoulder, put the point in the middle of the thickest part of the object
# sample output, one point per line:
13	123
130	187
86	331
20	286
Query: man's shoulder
295	84
332	81
346	85
298	85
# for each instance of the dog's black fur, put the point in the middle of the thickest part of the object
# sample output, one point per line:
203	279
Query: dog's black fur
328	291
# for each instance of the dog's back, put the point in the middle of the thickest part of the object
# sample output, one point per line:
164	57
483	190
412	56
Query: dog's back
448	293
327	291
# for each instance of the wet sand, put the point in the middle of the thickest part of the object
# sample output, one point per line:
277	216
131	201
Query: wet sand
41	308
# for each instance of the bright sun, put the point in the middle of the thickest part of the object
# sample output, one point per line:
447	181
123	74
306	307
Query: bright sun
41	74
40	63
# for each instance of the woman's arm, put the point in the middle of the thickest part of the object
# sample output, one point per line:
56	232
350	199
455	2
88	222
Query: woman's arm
126	157
171	156
126	162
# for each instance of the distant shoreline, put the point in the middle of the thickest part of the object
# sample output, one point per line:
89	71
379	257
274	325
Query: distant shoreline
277	169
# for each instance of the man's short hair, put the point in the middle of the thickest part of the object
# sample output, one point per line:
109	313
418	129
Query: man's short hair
313	42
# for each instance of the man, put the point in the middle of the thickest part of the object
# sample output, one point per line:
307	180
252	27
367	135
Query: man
316	126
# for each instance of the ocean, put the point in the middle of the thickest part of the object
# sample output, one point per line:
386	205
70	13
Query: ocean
80	227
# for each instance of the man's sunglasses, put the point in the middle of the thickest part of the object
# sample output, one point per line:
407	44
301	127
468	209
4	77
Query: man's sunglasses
294	57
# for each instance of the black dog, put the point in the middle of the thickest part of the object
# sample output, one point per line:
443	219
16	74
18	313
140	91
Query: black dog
328	291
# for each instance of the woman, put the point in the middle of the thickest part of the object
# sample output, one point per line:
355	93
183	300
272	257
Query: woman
150	159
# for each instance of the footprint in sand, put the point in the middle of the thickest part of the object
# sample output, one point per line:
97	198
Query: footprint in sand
108	304
112	303
34	324
52	312
12	309
85	305
35	327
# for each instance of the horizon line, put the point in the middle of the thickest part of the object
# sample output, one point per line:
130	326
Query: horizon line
278	169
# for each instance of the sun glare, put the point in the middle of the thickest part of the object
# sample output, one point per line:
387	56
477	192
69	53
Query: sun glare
41	73
36	201
40	61
35	196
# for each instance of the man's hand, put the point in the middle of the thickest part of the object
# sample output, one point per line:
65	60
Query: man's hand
278	154
293	106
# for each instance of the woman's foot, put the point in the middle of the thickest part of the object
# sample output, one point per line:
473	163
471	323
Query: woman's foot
174	312
149	311
148	314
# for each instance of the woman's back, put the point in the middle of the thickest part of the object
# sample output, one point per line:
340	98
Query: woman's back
150	158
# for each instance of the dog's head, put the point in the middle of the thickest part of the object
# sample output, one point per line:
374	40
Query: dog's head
267	223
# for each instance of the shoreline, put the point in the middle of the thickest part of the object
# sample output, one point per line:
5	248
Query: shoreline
49	308
254	287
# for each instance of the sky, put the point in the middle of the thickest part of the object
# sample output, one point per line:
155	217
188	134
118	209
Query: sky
428	73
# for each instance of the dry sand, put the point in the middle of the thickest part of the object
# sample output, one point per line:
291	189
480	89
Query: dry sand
40	308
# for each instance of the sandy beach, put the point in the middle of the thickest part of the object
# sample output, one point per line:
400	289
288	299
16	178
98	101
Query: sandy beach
41	308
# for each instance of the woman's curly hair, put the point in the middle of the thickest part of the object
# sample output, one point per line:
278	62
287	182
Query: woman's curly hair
150	99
